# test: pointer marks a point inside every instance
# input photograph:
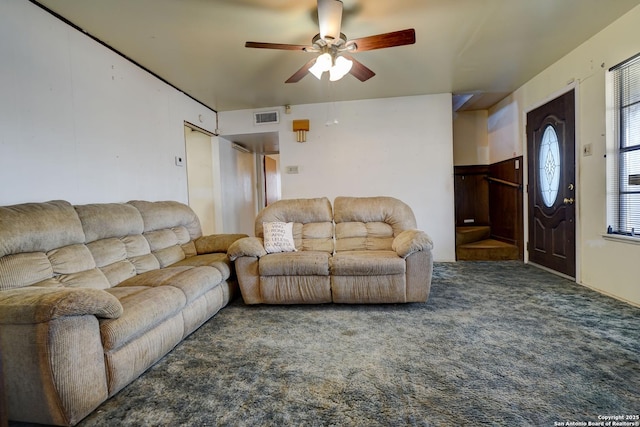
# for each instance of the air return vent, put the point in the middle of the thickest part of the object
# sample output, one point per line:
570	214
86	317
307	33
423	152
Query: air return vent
266	117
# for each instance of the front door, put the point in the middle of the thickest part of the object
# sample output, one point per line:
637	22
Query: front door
551	154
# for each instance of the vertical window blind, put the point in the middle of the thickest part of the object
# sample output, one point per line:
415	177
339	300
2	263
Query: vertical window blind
625	206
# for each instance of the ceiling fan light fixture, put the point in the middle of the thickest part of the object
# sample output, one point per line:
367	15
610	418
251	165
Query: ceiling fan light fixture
340	69
323	63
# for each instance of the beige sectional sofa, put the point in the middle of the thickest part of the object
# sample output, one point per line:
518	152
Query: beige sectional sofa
361	250
93	295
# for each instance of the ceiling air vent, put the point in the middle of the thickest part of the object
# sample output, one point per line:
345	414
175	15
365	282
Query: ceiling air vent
266	117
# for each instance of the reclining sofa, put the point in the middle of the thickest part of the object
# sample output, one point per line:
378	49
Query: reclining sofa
363	250
93	295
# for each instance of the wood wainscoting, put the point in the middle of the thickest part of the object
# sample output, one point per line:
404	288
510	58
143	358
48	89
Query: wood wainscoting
488	209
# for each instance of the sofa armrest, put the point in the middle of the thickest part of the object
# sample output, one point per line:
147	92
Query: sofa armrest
33	304
410	241
52	353
248	246
216	242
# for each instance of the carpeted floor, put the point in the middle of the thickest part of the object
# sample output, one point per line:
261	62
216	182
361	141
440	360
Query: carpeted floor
498	343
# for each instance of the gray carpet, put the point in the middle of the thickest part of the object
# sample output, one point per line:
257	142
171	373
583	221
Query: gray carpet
498	343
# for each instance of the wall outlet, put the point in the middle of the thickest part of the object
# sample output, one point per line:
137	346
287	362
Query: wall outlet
179	161
587	150
292	169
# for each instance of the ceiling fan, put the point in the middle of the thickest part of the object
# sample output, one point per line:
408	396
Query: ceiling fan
335	49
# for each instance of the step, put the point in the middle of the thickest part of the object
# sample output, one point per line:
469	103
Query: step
472	233
487	250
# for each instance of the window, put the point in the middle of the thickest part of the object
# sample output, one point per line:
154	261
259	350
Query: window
624	173
549	166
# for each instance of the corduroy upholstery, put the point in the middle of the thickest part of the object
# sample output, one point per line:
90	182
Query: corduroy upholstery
93	295
361	250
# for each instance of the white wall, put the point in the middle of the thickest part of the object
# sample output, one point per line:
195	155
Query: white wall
470	141
79	122
606	265
399	147
504	133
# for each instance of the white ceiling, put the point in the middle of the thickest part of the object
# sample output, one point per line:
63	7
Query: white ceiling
462	46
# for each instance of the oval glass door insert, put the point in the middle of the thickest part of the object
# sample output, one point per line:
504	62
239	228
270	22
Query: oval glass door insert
549	166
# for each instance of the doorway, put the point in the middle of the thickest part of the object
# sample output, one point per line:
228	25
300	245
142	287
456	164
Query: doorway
552	181
200	182
271	179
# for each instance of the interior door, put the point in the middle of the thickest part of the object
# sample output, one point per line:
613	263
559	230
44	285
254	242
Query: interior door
551	161
270	181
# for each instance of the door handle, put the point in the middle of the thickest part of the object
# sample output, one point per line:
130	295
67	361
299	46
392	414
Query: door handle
568	200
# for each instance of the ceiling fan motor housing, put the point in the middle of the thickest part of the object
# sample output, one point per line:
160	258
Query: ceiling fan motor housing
330	19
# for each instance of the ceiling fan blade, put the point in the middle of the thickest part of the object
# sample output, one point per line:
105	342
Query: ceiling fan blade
261	45
298	75
359	70
330	19
381	41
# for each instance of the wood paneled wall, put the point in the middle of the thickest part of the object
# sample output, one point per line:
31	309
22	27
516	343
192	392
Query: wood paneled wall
505	202
471	190
492	195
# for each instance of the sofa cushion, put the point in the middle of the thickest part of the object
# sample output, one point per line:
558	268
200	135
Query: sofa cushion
192	281
144	308
107	251
372	236
71	259
367	263
38	227
314	236
312	222
218	260
168	215
303	263
278	237
114	238
107	220
370	223
94	279
19	270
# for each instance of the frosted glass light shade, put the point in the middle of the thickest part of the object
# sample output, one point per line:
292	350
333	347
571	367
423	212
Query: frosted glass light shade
322	64
342	67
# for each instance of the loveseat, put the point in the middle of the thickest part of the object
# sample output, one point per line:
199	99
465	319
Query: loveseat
362	250
93	295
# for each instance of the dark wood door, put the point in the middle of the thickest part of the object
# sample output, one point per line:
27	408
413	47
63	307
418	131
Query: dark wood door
551	152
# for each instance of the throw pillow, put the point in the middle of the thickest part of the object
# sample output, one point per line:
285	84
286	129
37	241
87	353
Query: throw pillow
278	237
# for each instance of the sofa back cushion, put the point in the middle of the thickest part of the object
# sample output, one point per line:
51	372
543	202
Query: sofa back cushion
370	223
114	237
94	245
43	244
170	229
311	218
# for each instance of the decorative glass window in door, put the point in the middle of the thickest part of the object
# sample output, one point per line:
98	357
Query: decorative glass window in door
549	166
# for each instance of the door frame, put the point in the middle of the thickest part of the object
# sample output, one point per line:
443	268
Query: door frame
525	199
